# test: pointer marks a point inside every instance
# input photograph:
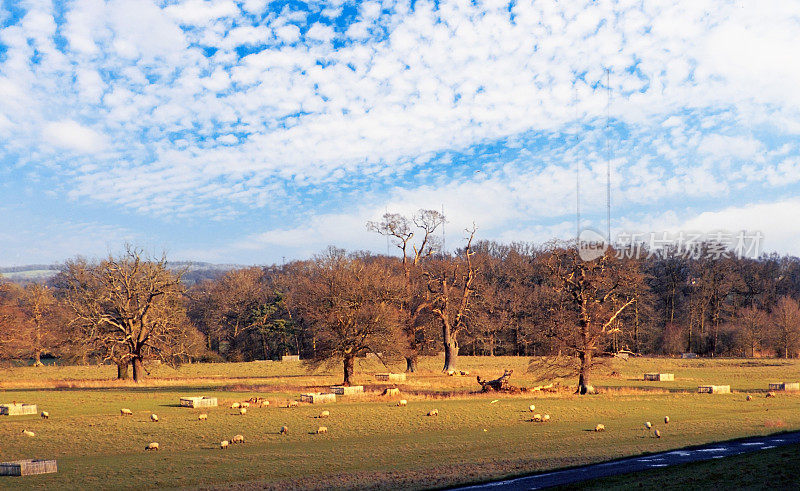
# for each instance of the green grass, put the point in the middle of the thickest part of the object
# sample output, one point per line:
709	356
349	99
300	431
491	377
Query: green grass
767	469
370	440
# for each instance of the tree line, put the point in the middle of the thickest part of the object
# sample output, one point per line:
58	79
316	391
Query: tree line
485	298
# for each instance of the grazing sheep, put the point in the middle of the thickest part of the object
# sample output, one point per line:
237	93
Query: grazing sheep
243	411
245	404
657	434
322	429
600	427
224	444
537	418
324	414
748	398
666	420
402	402
452	373
152	446
235	405
465	372
264	403
45	415
531	408
125	412
293	404
154	418
202	417
648	425
545	418
433	412
28	433
237	439
391	391
284	430
770	394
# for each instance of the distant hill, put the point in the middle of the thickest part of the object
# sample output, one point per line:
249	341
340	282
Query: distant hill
194	271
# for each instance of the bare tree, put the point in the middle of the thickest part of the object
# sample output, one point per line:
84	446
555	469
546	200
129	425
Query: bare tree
751	324
596	293
349	305
450	288
786	327
415	301
43	316
129	308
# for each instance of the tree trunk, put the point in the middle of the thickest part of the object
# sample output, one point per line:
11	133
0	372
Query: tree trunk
348	370
37	358
122	371
450	355
138	369
411	364
584	386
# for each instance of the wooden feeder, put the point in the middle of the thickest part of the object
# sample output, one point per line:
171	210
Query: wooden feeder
199	401
714	389
27	467
318	397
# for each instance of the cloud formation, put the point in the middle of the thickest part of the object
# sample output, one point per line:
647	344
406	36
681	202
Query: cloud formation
216	111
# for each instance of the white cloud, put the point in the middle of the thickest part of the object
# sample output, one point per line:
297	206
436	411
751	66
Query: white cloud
73	136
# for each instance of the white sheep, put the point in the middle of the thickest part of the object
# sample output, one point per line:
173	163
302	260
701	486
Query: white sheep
237	439
600	427
264	403
245	404
666	420
125	412
236	405
648	425
545	418
202	417
537	418
322	429
433	412
28	433
531	408
465	372
243	411
154	418
152	446
45	415
293	404
452	373
402	402
224	444
284	430
657	434
324	414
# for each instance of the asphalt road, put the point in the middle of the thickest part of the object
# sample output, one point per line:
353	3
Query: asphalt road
642	463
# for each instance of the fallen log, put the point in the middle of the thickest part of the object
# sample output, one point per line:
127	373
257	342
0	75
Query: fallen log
499	384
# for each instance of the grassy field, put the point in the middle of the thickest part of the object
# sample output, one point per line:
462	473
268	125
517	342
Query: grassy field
370	442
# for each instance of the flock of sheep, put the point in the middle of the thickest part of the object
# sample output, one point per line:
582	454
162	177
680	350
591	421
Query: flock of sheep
284	430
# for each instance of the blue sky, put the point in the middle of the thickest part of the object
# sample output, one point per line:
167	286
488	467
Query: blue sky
249	131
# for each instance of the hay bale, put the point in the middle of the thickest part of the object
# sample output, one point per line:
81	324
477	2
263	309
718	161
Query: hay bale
28	467
290	358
